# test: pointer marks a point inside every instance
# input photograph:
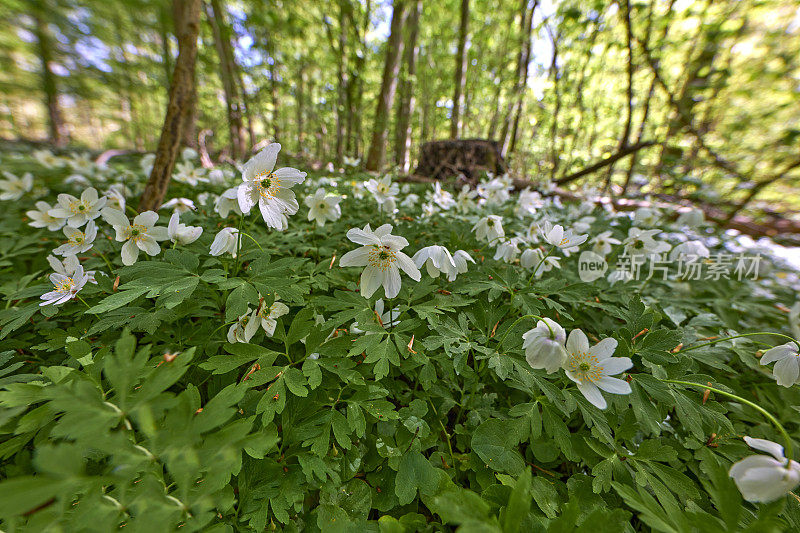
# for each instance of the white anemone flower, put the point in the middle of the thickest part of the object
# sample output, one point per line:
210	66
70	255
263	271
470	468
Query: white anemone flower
65	287
410	200
692	218
382	189
227	202
14	188
603	243
142	234
79	211
592	367
381	254
41	217
534	256
489	228
186	172
562	238
269	188
388	319
465	200
461	258
494	192
47	159
794	319
179	205
69	266
622	275
146	163
323	207
436	259
442	198
507	250
82	163
691	250
428	209
244	328
267	316
528	203
583	225
116	197
181	233
646	216
787	363
544	345
225	242
78	241
761	478
641	241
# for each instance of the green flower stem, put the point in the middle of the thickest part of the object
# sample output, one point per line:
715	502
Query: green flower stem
252	239
517	321
788	447
238	245
535	270
738	336
84	301
108	263
222	326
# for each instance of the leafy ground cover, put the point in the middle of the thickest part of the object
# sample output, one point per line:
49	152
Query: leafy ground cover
295	369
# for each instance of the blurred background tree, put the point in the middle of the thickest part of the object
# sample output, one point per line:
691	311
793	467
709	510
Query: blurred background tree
687	99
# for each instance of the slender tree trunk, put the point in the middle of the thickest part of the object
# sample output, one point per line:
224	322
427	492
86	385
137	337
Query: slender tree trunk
187	27
394	50
189	128
520	103
461	71
625	8
342	86
57	134
556	77
405	110
273	93
300	108
166	52
521	78
227	67
355	116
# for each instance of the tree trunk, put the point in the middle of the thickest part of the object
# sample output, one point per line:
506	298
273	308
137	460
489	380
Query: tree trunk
227	68
300	108
461	71
391	67
626	132
357	117
338	48
55	122
273	94
513	110
187	26
405	110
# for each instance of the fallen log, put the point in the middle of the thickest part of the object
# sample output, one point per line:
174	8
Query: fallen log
451	158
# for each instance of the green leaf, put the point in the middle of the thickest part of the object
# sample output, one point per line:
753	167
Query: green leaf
494	441
414	473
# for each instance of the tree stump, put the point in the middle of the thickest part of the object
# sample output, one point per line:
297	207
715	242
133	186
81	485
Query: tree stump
470	157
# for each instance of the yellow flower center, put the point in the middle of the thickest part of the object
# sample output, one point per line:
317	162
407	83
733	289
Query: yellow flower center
137	232
267	184
78	206
381	257
585	366
65	285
